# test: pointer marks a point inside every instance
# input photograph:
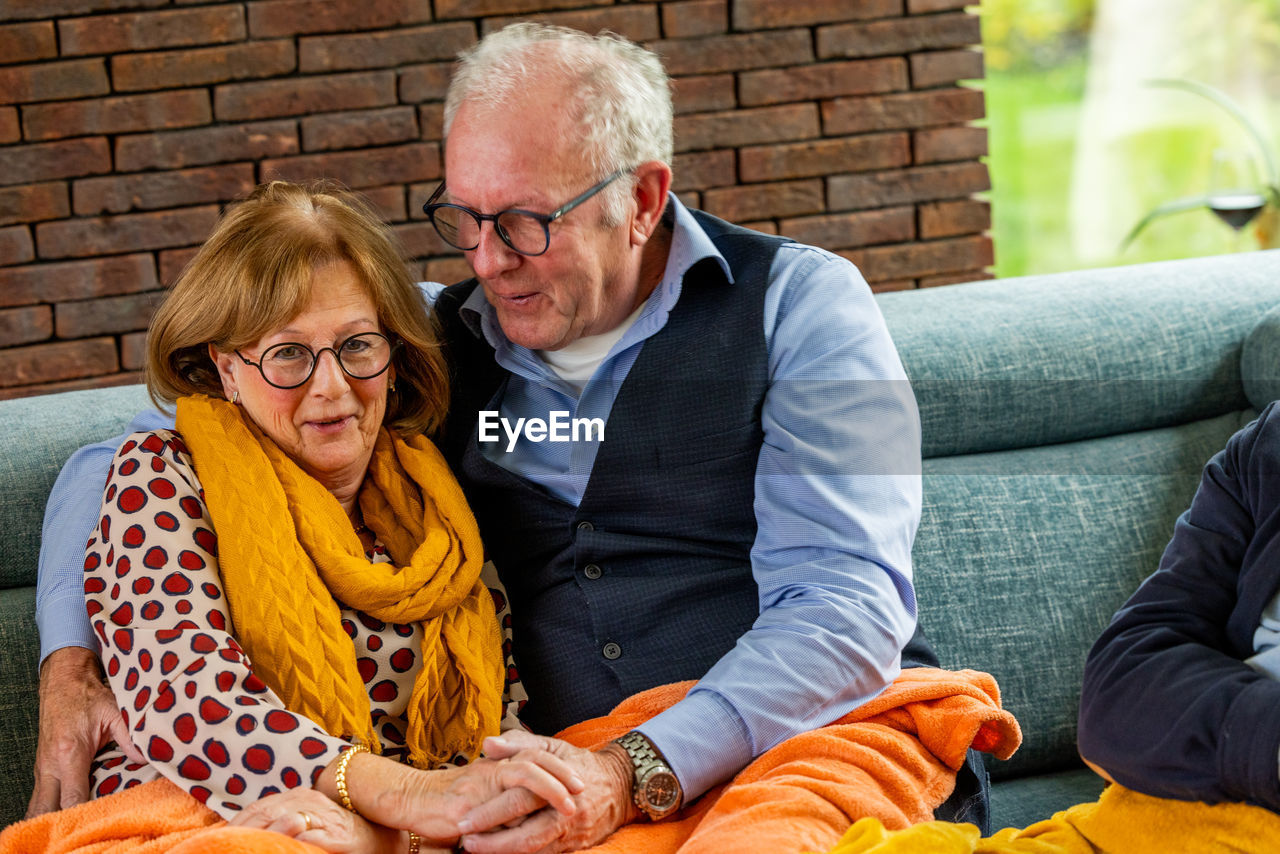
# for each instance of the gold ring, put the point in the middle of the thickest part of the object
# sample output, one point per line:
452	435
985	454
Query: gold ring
306	819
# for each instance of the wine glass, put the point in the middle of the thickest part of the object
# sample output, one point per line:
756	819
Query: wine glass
1235	193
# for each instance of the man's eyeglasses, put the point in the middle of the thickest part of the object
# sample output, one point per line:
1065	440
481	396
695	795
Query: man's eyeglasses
526	232
289	365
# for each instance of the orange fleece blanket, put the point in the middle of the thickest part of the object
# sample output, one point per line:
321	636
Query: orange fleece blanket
893	758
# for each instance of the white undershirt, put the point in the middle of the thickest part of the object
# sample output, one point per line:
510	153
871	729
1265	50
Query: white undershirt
577	361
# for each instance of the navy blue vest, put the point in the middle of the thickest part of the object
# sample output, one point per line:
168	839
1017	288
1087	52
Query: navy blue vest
648	580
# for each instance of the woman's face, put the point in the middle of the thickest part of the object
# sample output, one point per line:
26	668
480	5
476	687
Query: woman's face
329	423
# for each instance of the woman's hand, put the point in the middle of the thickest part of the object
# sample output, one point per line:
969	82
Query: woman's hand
526	781
310	816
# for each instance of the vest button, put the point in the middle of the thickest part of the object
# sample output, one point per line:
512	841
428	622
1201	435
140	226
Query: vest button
586	526
592	571
612	651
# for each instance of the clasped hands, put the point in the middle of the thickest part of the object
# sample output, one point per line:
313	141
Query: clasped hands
528	794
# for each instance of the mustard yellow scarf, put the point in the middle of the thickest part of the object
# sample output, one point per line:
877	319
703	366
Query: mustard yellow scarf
287	551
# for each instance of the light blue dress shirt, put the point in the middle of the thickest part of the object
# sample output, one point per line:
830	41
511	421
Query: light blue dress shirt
837	504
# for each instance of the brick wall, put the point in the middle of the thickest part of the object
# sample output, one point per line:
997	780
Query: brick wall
125	125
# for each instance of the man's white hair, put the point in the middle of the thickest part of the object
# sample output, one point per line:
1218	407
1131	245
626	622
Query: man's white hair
618	92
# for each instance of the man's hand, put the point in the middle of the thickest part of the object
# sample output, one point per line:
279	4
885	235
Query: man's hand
78	715
603	806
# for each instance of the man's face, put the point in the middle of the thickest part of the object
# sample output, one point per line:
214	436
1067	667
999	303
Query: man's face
521	156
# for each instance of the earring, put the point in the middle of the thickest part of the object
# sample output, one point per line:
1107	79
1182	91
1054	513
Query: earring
391	386
235	397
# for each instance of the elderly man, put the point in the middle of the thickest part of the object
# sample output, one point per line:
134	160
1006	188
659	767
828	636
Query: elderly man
741	507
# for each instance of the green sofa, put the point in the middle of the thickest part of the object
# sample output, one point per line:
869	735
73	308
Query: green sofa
1065	420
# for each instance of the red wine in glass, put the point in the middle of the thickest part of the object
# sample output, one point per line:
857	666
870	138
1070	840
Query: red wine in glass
1236	209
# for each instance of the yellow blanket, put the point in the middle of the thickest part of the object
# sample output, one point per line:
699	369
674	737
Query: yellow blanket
1121	821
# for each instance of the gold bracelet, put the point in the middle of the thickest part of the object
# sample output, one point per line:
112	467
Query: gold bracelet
340	776
414	841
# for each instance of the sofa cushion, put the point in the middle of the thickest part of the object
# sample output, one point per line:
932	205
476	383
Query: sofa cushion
1103	352
1260	361
1023	556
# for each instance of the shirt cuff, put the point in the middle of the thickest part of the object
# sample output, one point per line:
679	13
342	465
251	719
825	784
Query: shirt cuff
703	739
56	631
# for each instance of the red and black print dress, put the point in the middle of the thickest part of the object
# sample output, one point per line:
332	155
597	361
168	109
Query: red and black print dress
186	688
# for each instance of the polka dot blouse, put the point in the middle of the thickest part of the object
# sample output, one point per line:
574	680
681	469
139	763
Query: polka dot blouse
185	687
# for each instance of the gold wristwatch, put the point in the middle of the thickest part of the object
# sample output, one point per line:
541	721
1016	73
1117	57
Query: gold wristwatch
655	788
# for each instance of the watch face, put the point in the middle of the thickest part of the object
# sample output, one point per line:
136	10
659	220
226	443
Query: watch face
661	790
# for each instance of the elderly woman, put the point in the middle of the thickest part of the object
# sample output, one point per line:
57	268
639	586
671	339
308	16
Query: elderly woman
288	587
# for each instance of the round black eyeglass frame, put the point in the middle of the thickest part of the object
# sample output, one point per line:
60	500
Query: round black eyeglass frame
432	206
392	346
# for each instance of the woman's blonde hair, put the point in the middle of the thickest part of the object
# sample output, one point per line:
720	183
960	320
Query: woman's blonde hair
254	274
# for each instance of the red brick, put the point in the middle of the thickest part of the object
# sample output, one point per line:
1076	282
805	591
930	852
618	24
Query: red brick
9	130
703	169
173	262
898	36
177	149
735	52
897	285
949	219
27	42
824	157
387	202
296	17
25	325
53	81
155	190
955	279
372	167
360	129
822	80
913	260
905	186
17	10
487	8
419	240
638	21
234	102
943	144
133	351
690	199
59	360
703	93
131	378
922	7
845	231
33	203
763	14
746	127
134	71
764	201
69	280
767	226
151	30
448	270
384	49
431	121
424	82
83	238
944	67
695	18
895	112
15	245
25	164
106	315
161	111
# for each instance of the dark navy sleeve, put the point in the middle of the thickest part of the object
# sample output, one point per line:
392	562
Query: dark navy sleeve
1169	708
